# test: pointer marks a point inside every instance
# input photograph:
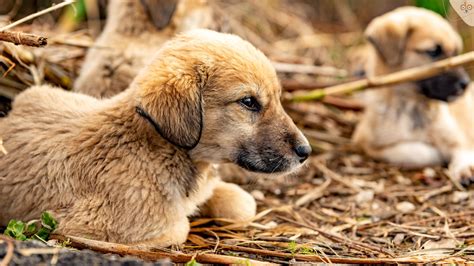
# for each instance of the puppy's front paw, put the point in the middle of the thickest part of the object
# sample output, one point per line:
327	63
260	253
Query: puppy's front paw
230	201
462	168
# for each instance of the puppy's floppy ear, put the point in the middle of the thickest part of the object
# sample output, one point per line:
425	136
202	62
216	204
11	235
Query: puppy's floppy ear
160	12
389	35
173	104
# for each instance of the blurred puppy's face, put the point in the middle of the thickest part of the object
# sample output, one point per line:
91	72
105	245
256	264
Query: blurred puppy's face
410	37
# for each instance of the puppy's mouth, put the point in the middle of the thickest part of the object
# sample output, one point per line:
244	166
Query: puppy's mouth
446	87
267	161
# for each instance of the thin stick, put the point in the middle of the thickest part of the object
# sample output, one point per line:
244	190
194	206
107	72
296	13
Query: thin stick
21	38
313	194
407	75
316	258
37	14
309	69
340	239
106	247
336	177
10	248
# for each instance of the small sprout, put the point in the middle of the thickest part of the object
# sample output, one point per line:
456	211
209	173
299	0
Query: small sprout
307	251
292	247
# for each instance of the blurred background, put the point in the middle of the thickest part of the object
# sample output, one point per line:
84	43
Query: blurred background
317	32
325	34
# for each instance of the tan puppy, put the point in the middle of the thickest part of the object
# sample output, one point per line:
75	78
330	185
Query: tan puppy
131	168
420	123
135	29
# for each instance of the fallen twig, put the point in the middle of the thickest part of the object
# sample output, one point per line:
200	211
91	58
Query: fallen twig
309	69
336	177
37	14
20	38
313	194
343	240
317	258
407	75
435	192
106	247
9	254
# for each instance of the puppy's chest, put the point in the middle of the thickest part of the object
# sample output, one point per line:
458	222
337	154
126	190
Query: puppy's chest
402	121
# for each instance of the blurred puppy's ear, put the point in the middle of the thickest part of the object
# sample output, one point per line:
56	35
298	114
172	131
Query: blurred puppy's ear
171	101
389	36
160	12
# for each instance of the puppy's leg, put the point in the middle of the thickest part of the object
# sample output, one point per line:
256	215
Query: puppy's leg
410	154
462	166
230	201
175	234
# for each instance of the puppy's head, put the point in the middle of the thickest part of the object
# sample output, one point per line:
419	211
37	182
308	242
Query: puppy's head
409	37
217	96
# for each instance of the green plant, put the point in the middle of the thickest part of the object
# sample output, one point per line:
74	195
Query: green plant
439	6
307	251
193	262
292	247
33	229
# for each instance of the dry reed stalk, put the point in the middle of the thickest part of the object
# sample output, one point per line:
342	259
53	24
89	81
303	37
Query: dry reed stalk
407	75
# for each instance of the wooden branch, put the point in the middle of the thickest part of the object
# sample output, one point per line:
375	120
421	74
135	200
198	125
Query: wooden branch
310	69
176	257
20	38
407	75
334	259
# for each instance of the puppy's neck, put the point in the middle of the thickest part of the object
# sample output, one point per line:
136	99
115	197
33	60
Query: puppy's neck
119	117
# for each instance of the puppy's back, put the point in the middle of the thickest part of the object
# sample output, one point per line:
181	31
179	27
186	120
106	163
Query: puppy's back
42	118
45	100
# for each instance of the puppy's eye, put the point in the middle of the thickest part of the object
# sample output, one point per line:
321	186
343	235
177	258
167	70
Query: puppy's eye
250	103
435	52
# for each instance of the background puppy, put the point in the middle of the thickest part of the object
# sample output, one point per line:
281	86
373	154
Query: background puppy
421	123
145	156
133	32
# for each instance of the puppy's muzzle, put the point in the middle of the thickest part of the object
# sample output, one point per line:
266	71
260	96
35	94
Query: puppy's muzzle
445	87
273	154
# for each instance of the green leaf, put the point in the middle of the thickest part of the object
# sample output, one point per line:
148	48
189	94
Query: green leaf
16	226
31	227
15	229
439	6
43	233
48	221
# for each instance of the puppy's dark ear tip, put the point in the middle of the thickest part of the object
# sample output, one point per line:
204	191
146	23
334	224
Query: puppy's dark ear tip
160	12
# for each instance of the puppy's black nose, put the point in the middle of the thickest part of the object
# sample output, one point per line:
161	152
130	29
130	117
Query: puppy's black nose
463	83
303	151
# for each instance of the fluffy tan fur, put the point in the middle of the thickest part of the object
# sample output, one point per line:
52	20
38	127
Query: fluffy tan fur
132	168
135	29
402	126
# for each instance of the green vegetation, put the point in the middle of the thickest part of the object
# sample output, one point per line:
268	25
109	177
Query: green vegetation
439	6
33	229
